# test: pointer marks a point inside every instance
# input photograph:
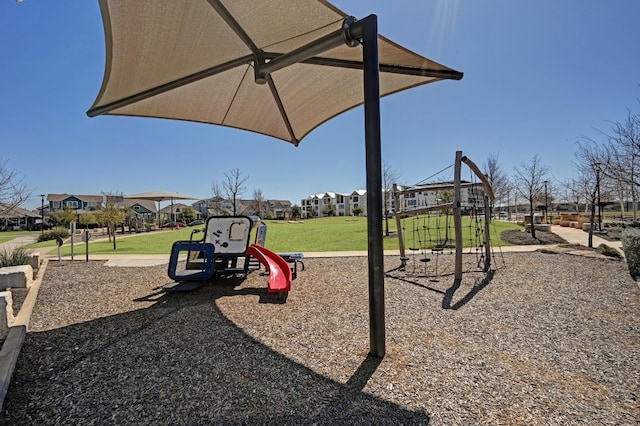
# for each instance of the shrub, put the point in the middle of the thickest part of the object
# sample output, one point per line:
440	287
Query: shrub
53	234
631	247
14	257
609	251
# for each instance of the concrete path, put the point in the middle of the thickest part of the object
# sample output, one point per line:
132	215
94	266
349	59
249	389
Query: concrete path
578	236
19	241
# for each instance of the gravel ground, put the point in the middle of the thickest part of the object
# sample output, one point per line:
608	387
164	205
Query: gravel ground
545	339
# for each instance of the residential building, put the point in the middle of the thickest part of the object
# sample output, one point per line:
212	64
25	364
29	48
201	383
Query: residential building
145	209
14	218
334	204
278	209
434	194
410	198
78	203
175	212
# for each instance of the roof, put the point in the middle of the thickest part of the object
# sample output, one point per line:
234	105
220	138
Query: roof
174	207
87	198
147	204
7	211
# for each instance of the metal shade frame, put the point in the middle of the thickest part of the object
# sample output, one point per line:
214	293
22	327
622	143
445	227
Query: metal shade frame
353	33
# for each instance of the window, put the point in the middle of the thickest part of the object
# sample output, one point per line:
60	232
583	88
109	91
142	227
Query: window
72	204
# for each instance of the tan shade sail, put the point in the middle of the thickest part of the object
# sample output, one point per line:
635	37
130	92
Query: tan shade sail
197	60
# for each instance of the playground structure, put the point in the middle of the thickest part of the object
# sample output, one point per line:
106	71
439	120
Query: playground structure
226	248
425	237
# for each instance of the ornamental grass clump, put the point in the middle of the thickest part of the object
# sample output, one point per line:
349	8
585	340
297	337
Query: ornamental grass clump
14	257
609	251
631	247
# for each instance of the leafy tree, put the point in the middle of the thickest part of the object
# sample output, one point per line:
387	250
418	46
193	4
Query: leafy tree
63	217
188	214
329	209
296	212
88	219
529	180
111	216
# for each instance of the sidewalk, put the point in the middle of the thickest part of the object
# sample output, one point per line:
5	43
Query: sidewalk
578	236
20	241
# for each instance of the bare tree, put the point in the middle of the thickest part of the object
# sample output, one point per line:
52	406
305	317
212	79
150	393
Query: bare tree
590	167
13	191
623	157
259	202
496	176
528	179
620	155
389	177
231	188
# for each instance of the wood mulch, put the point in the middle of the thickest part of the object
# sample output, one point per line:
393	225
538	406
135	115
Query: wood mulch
544	339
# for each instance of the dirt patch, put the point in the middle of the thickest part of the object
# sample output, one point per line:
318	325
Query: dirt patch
523	238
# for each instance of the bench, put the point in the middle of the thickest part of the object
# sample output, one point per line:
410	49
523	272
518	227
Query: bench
293	258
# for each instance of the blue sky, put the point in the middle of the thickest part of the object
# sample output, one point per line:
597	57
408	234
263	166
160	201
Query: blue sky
538	75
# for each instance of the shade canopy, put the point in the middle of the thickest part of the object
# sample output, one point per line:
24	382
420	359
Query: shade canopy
160	196
208	61
276	67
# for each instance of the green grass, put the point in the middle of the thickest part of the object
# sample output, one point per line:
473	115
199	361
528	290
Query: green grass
159	242
312	235
7	236
350	233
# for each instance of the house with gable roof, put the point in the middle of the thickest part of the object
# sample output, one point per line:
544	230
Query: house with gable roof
78	203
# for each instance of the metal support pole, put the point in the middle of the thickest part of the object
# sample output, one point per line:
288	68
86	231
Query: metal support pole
457	216
599	201
487	235
546	203
42	213
369	27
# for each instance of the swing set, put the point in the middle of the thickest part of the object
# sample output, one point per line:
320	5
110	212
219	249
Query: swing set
437	229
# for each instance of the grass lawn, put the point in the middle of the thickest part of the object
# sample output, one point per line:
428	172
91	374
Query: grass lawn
312	235
7	236
158	242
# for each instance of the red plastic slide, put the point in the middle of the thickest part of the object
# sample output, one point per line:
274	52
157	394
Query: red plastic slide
278	268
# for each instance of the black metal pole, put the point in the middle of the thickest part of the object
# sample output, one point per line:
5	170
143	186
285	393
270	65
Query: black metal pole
369	28
546	203
599	203
42	213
